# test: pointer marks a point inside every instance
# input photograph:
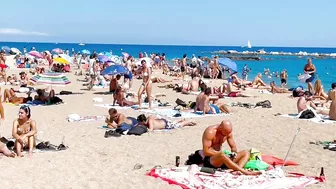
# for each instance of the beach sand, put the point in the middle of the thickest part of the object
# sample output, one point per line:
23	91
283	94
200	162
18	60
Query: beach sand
95	162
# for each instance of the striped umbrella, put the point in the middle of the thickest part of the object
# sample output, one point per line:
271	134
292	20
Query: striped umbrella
57	50
51	79
35	54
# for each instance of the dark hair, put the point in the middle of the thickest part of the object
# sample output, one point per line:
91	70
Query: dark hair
39	92
112	110
143	61
118	76
207	91
202	87
307	93
142	118
26	109
193	75
185	55
333	85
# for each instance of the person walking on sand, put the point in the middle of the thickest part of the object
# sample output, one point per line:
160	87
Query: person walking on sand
283	78
213	139
184	66
310	69
24	131
146	84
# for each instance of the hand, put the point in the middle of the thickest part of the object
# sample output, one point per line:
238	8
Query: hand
233	155
107	120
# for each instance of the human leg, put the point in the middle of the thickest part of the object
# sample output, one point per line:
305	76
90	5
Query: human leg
149	94
31	144
141	90
18	148
242	158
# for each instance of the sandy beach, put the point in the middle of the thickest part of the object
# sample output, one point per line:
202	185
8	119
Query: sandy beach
93	161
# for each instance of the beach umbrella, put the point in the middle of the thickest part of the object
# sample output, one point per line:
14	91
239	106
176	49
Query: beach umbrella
228	63
114	70
35	54
60	60
66	57
5	48
85	51
57	50
15	50
103	58
50	79
116	59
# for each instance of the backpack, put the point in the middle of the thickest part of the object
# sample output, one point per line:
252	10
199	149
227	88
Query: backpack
123	127
264	104
138	130
181	103
307	114
55	100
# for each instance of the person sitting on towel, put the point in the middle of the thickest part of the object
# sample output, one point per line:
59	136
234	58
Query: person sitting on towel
119	97
193	85
306	101
203	104
213	138
24	131
10	96
155	123
44	95
116	119
258	81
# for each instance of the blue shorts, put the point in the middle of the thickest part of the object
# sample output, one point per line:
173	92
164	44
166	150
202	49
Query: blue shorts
134	121
212	106
311	79
128	76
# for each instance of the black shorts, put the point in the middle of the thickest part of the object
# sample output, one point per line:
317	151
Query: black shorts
182	69
283	81
207	163
193	66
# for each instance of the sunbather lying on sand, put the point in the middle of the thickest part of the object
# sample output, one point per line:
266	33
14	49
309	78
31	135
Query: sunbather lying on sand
154	123
44	95
116	119
213	138
239	82
306	101
119	97
24	131
159	80
10	96
232	93
203	104
4	150
275	89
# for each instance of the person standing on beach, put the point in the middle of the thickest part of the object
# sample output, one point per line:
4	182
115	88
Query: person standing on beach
184	65
213	139
310	69
245	72
283	78
146	84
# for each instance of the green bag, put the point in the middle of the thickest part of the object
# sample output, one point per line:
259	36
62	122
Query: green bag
256	165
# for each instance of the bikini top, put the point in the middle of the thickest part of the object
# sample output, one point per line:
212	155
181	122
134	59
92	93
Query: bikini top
145	74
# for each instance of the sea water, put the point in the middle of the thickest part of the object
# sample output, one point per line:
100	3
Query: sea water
325	67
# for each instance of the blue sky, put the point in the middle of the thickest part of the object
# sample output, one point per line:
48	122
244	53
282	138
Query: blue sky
215	22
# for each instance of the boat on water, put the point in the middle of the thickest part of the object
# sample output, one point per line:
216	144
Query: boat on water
81	44
249	44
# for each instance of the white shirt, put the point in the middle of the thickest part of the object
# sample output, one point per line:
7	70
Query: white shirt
91	64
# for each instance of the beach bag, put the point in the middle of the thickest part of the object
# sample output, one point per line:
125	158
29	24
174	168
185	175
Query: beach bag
138	130
181	103
55	100
307	114
191	105
264	104
65	92
194	158
255	154
123	127
256	165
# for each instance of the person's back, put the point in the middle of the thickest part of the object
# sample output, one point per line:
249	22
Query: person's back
193	84
332	110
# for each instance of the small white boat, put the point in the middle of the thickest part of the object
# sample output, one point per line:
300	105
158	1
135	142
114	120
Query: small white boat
81	44
249	44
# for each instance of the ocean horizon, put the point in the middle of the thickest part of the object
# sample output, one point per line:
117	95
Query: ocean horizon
294	66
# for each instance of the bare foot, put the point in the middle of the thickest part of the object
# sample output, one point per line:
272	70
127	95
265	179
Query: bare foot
12	155
30	154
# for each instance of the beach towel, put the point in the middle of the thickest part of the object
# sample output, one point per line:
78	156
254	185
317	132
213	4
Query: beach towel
108	106
78	118
194	179
265	92
320	119
271	160
170	113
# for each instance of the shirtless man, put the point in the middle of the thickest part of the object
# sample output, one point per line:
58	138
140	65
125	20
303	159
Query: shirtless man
213	138
192	86
154	123
283	77
119	97
258	81
305	101
116	119
10	96
114	83
275	89
204	104
332	110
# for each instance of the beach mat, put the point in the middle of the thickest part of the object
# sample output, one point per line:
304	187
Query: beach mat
271	160
195	179
170	113
320	119
78	118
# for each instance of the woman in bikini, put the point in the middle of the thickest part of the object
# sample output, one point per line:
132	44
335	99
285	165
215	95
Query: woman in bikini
119	97
310	69
319	91
10	96
146	84
24	131
216	68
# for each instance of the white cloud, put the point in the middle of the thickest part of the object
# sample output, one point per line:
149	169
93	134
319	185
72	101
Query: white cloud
13	31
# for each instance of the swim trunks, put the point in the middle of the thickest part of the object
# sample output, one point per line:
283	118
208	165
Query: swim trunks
171	125
207	163
129	75
283	81
182	69
214	107
233	94
311	79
